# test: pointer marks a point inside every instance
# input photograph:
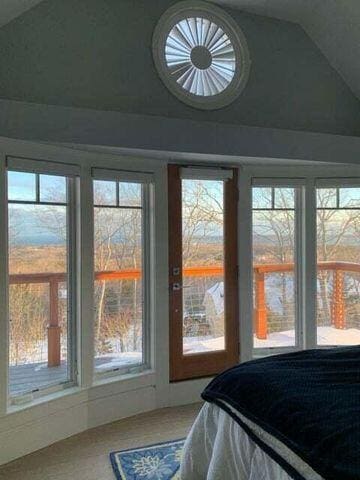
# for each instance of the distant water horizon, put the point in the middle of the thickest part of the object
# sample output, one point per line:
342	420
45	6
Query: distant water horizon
50	239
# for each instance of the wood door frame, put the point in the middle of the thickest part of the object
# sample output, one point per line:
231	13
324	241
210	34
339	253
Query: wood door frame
183	367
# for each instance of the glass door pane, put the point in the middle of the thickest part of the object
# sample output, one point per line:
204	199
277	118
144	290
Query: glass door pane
338	256
203	291
274	275
203	265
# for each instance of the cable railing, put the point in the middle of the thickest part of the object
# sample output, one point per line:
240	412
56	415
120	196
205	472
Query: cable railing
261	313
338	312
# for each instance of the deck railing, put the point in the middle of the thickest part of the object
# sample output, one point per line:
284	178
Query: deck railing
338	317
260	308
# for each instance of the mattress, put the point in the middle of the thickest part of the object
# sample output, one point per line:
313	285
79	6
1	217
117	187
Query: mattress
217	448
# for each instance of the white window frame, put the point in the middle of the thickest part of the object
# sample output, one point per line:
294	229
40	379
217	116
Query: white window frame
298	185
4	325
306	177
71	172
63	160
330	182
146	180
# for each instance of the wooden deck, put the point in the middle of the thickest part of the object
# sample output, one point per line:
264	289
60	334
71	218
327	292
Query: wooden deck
32	376
27	378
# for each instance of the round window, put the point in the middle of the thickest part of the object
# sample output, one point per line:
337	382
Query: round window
201	54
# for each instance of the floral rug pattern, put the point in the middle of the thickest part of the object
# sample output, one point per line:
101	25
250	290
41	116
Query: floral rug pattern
154	462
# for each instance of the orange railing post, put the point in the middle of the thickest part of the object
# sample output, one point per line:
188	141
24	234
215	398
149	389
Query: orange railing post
54	329
260	310
338	303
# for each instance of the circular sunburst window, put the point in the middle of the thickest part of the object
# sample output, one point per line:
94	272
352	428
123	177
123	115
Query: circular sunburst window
201	54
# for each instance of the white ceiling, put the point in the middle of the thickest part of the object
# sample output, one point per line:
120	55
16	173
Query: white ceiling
334	25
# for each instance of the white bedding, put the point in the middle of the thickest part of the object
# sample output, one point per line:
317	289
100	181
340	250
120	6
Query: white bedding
217	448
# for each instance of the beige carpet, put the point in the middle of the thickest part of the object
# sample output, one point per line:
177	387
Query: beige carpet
86	456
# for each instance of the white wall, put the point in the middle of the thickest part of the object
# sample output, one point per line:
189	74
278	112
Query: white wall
170	136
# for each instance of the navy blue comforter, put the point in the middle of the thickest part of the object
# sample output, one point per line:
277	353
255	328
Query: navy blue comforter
308	400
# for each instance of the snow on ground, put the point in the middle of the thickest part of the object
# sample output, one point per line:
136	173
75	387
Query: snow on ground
203	344
326	336
115	360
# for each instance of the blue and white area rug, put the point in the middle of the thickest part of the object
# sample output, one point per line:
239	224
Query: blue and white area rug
154	462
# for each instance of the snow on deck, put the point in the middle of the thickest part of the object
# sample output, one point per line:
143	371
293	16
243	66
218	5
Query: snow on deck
327	336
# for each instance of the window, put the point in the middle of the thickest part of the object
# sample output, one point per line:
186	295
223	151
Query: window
41	239
203	271
338	269
274	272
201	55
121	238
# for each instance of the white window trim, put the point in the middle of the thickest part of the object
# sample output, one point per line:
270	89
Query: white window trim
330	182
159	354
147	182
42	157
4	326
194	8
299	264
119	175
50	168
31	165
277	182
310	178
337	182
190	173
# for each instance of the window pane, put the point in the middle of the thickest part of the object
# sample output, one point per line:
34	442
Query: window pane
21	186
349	197
262	197
118	247
104	193
52	189
338	279
130	194
284	198
203	265
326	197
274	277
38	297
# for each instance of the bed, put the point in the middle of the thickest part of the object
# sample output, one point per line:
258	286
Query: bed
293	416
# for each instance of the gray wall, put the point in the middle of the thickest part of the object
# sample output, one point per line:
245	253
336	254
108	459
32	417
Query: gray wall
97	54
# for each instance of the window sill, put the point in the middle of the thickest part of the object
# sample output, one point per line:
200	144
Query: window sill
74	395
126	382
46	398
267	352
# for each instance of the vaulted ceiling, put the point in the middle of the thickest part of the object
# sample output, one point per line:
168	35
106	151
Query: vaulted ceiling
334	25
10	9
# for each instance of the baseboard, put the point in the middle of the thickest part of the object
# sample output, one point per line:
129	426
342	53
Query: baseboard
186	392
66	422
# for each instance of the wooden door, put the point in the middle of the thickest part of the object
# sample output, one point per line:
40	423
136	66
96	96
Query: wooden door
203	277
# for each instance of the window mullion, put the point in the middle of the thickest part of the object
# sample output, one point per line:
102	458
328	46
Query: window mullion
245	272
86	296
300	267
309	266
4	328
72	282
